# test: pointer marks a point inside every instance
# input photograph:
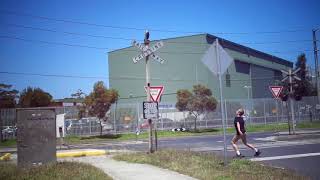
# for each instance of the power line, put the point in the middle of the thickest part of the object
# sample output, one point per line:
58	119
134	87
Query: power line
106	48
52	75
142	29
128	39
128	78
52	43
65	32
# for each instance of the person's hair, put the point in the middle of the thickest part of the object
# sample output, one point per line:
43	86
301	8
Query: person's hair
240	111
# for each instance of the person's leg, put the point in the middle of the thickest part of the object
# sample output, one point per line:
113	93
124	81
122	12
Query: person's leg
244	140
234	143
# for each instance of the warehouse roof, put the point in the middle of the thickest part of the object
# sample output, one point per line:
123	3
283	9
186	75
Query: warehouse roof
235	47
249	51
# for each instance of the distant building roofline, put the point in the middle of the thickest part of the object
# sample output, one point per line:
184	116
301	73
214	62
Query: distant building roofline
232	46
247	50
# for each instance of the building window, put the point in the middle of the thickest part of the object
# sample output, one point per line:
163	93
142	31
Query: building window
242	67
228	81
277	75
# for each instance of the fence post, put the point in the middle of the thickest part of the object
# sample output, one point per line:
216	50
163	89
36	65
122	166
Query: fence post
299	116
264	110
184	119
1	138
89	126
114	118
226	112
138	115
206	123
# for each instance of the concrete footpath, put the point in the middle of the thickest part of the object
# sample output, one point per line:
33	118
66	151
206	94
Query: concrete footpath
120	170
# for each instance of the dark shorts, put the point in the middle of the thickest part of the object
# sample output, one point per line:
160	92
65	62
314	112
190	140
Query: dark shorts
243	132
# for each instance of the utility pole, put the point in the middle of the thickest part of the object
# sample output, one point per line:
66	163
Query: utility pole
315	49
146	43
290	75
291	102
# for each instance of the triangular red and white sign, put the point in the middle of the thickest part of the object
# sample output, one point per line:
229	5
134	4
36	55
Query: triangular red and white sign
155	92
276	90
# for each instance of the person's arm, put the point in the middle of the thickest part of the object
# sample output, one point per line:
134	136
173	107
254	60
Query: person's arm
238	127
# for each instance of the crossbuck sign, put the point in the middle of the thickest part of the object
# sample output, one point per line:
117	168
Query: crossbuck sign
290	74
148	51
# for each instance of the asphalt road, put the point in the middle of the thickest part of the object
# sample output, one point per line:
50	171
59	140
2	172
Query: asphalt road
288	157
278	151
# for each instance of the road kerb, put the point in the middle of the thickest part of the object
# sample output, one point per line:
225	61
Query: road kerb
81	153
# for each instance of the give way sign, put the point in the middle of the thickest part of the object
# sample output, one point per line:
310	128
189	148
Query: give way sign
155	92
276	90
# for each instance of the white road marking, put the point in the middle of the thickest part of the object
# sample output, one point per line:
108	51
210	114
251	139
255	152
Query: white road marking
266	145
285	157
270	138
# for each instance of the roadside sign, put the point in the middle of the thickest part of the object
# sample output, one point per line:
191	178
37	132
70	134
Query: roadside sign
217	59
157	58
137	58
157	46
155	92
276	90
138	45
290	74
150	110
147	51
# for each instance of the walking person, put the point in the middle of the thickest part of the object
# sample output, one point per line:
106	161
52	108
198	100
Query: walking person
239	125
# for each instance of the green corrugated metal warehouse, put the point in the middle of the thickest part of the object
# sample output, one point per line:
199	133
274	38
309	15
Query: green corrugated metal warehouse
249	75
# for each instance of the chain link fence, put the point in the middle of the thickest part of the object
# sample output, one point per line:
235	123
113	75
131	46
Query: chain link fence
128	118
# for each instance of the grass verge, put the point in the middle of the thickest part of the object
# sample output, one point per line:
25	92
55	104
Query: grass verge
305	125
60	170
161	134
8	143
167	134
205	166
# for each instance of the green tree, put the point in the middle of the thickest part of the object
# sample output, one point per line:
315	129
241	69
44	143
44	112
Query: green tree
300	88
303	87
34	97
99	101
7	96
197	102
80	96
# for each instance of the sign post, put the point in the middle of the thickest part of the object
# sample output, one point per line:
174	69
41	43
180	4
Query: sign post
218	60
146	52
290	75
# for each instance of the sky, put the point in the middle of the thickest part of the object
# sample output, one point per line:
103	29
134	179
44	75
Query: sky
62	46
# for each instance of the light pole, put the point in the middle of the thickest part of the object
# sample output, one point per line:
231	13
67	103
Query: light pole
248	88
316	61
249	104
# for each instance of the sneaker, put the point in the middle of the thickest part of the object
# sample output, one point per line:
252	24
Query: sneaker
239	156
257	153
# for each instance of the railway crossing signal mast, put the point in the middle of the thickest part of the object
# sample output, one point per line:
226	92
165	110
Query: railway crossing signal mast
290	75
146	52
